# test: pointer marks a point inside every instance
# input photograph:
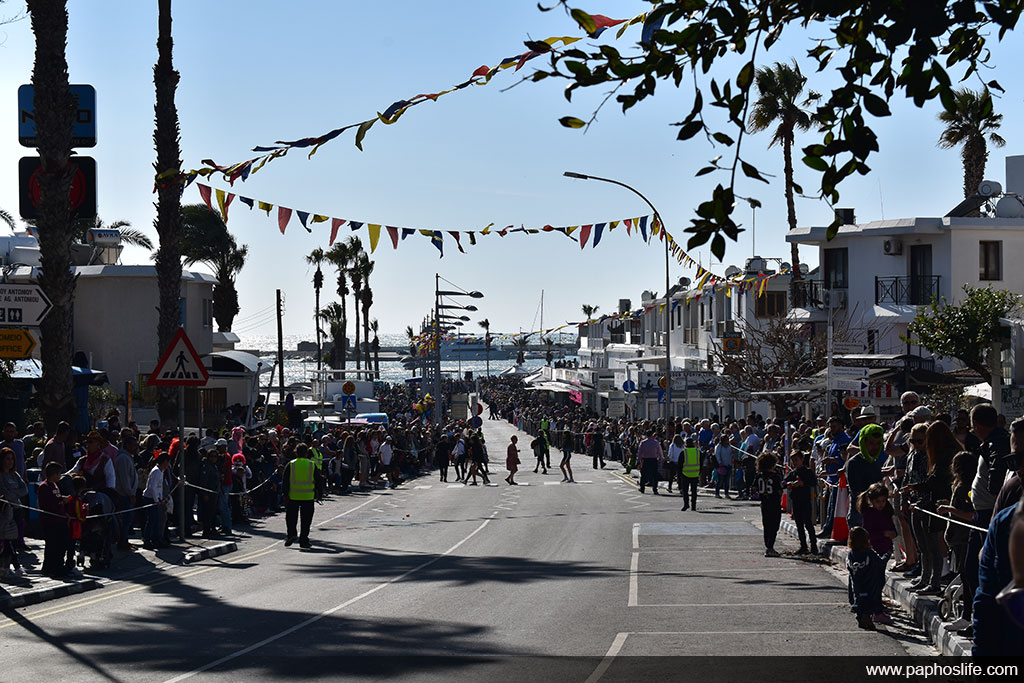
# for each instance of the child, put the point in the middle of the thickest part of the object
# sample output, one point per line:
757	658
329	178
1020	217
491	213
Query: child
878	514
537	445
55	524
769	490
800	482
77	510
866	572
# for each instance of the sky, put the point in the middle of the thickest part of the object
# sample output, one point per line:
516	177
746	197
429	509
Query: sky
255	71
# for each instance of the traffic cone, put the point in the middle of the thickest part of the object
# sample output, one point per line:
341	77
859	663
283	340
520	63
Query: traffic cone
840	529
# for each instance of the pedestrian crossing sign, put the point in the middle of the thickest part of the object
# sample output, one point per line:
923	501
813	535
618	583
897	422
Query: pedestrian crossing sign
180	365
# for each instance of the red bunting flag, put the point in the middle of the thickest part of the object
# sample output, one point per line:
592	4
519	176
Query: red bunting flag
393	234
283	216
204	192
455	234
585	234
335	224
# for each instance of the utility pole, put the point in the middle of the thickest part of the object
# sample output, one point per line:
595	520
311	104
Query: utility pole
280	352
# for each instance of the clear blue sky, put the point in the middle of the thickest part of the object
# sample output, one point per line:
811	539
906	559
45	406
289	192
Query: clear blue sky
253	72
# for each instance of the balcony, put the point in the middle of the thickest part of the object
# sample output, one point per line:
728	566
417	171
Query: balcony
807	294
915	291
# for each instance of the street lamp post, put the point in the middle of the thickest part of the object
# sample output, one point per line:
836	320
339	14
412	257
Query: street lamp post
668	303
453	320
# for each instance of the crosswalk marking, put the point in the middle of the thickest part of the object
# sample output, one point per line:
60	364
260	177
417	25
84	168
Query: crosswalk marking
425	487
456	486
552	483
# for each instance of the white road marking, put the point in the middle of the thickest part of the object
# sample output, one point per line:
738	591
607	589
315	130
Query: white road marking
317	617
424	487
636	536
552	483
328	521
456	486
609	657
749	604
634	564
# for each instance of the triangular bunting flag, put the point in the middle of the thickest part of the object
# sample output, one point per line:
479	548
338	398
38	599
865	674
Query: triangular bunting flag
317	218
374	230
393	234
283	216
263	206
642	224
458	243
598	229
223	202
204	192
303	216
336	223
245	200
354	225
585	234
407	231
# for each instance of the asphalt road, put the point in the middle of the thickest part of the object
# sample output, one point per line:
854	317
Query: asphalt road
562	576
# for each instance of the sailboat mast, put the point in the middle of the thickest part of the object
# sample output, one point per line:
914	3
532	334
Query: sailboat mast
542	310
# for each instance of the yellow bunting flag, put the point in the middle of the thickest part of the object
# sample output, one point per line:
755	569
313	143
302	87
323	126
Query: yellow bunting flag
266	207
317	218
374	229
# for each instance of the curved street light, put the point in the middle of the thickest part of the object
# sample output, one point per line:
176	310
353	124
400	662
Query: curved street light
438	307
668	303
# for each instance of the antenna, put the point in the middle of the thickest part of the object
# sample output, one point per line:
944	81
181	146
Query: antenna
881	206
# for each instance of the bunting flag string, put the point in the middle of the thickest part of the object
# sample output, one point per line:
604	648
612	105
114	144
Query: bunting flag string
481	76
704	278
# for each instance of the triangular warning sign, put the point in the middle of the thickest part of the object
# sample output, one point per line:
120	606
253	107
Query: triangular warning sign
180	365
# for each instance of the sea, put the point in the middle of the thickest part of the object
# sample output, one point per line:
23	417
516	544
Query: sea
301	371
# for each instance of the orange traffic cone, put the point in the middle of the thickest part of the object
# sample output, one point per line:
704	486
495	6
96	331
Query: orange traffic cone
840	529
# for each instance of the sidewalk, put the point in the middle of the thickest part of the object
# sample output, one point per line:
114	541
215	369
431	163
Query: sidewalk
36	588
923	610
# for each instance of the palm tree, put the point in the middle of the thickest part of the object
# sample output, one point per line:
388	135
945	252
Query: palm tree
780	101
7	219
375	346
589	311
334	316
355	250
486	324
54	116
548	355
411	334
969	125
205	239
520	343
365	267
340	255
316	258
166	138
129	235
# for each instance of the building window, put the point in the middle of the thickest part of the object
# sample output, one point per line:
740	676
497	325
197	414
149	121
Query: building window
207	312
990	260
837	268
771	305
872	341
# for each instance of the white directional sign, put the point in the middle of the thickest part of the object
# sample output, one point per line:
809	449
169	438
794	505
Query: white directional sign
849	347
842	372
849	385
22	305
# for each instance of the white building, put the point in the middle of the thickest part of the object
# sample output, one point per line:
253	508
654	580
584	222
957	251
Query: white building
881	273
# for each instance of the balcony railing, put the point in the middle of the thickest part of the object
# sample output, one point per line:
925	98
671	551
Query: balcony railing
915	291
807	294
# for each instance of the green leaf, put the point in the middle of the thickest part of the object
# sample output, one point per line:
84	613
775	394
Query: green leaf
745	76
585	21
704	171
718	247
817	163
723	138
876	106
689	130
751	171
571	122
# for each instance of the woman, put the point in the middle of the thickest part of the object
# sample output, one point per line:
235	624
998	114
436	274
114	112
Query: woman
941	446
12	489
864	468
155	496
476	457
674	450
916	472
512	460
723	465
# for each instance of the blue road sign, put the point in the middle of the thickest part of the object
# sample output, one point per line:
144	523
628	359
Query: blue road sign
661	395
348	402
629	386
83	131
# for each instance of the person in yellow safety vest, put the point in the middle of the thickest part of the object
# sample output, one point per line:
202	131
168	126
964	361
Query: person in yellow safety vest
689	474
300	477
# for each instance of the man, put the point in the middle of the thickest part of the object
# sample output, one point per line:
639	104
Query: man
56	448
11	440
209	483
37	439
300	476
126	484
649	454
992	467
996	631
597	447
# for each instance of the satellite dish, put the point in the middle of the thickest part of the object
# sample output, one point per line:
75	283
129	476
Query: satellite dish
1010	206
989	188
732	271
804	269
784	265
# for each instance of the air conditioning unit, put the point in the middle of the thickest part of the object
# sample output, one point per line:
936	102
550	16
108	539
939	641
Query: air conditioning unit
893	247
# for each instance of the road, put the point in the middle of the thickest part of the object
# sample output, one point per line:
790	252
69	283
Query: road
572	575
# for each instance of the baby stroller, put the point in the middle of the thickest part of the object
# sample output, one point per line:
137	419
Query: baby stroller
99	531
